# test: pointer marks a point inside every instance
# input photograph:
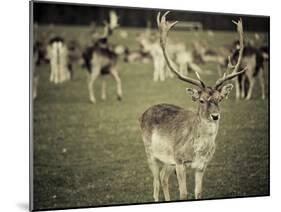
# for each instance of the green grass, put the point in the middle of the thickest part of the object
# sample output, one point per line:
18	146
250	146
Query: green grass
91	155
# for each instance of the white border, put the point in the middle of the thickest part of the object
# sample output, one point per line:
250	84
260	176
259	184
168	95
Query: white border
14	89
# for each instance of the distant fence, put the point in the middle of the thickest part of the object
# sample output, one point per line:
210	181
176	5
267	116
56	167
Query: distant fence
184	25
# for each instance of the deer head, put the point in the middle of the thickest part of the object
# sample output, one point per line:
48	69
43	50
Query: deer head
208	97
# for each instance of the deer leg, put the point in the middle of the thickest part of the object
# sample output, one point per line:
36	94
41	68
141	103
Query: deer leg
51	63
198	183
61	70
238	90
55	63
261	78
66	66
103	88
187	71
71	71
153	165
170	72
35	85
118	83
183	68
52	69
155	71
251	86
161	70
181	176
167	71
93	76
164	177
243	87
56	72
195	68
155	75
59	65
156	181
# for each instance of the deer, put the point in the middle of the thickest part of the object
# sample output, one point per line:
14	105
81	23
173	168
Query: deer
254	59
100	59
152	47
58	55
35	75
182	57
176	138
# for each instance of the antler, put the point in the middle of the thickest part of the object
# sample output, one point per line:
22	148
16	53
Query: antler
164	27
235	71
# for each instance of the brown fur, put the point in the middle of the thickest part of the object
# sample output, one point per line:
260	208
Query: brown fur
177	137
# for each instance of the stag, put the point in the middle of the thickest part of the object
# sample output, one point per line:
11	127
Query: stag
178	138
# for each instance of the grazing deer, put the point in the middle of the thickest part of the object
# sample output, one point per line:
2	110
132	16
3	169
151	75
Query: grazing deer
176	137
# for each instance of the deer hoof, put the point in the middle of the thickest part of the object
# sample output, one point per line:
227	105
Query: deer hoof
93	101
119	98
198	196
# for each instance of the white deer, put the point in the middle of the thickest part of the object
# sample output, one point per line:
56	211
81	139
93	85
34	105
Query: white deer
178	51
58	55
178	138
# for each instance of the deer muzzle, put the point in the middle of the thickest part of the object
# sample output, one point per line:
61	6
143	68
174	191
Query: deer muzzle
215	116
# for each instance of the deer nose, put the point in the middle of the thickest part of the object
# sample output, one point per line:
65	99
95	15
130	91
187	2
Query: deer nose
215	116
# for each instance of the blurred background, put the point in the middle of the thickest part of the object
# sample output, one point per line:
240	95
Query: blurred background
89	154
55	13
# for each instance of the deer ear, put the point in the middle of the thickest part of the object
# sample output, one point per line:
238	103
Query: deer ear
193	93
226	90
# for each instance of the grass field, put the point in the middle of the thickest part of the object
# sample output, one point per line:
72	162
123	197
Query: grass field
92	155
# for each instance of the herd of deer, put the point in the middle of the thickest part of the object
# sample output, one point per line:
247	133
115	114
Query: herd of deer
62	56
174	138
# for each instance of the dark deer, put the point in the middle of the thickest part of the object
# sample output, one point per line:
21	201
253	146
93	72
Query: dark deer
100	59
254	59
179	138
